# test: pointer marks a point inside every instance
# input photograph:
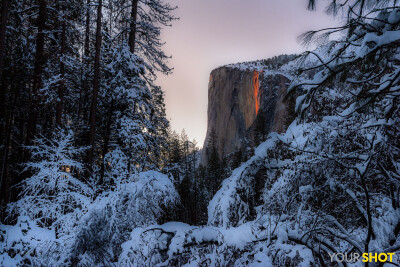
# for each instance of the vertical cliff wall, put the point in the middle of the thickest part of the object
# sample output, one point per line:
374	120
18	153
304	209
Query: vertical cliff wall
237	96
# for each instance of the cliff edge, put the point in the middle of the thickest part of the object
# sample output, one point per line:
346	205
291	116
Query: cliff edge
241	94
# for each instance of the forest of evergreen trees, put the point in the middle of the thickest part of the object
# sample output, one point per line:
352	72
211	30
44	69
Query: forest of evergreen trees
92	175
81	112
86	71
83	66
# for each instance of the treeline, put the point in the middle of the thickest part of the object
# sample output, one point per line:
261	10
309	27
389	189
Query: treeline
196	181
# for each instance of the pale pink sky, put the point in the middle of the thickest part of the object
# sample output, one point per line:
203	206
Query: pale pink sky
212	33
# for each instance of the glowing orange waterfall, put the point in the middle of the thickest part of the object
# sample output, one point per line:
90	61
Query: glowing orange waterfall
256	86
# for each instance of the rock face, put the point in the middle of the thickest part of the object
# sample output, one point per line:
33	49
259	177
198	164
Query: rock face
238	95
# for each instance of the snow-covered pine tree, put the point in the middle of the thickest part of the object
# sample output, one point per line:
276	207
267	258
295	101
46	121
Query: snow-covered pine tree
132	102
133	105
144	20
160	128
53	196
365	59
62	75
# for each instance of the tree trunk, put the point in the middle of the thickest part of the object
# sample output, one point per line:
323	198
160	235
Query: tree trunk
132	33
87	30
3	124
83	95
96	83
5	180
106	141
37	77
60	101
3	29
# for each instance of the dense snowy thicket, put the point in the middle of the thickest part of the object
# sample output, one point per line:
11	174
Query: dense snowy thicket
308	203
63	221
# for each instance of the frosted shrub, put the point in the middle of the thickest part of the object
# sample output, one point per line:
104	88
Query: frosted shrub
139	201
53	196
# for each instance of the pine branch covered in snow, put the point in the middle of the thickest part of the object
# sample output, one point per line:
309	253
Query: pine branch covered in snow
53	195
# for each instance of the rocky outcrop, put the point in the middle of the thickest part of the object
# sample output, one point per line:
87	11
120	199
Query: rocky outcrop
241	94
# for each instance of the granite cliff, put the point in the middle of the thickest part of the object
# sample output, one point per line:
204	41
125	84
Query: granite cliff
241	94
